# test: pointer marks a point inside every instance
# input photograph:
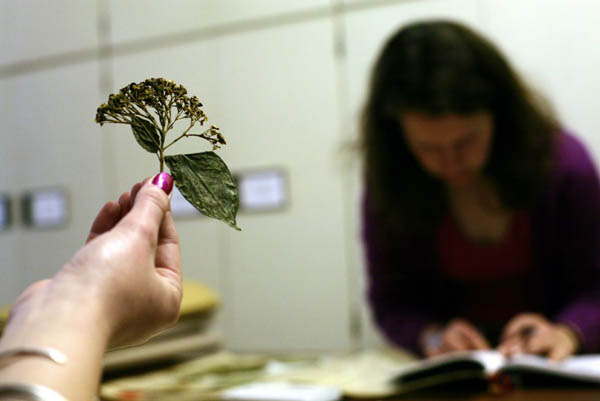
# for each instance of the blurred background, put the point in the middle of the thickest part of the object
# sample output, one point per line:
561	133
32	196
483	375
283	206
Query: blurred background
285	81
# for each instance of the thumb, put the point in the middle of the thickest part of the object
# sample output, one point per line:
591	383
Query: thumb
149	208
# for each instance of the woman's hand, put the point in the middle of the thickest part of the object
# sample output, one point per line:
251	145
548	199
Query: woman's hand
532	333
132	261
458	335
121	287
128	272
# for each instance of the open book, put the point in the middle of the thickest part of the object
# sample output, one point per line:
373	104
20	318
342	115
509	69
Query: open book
491	365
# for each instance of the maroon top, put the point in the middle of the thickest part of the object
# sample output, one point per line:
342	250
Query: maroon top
495	273
407	289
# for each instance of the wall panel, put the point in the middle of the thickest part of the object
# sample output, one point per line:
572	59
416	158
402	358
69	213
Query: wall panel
30	29
555	47
131	20
288	270
273	95
57	145
13	279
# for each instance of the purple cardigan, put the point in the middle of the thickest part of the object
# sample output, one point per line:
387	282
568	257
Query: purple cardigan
406	292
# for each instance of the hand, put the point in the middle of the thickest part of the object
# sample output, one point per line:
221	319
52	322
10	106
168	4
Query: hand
120	288
129	270
458	335
531	333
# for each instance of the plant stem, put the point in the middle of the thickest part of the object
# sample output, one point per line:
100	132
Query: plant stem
179	113
182	135
162	150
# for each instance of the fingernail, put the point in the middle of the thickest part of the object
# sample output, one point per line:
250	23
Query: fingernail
164	181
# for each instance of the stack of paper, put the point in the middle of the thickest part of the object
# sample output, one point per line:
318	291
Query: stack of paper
234	376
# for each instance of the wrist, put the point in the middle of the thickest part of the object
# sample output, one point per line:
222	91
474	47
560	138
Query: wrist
51	316
66	320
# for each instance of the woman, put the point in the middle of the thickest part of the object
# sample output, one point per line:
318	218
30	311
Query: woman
481	218
122	286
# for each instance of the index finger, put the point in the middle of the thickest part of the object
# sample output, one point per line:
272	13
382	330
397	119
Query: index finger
106	219
167	254
511	345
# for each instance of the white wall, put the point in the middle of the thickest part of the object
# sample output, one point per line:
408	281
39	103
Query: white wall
47	134
555	44
285	82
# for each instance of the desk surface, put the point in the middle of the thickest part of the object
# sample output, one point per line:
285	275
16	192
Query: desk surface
516	395
371	369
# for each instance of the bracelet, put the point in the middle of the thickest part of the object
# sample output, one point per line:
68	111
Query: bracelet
53	354
30	392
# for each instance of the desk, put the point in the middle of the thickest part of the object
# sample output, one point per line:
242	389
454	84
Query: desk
516	395
367	372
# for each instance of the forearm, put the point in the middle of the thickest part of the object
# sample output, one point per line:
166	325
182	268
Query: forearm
397	310
404	328
75	329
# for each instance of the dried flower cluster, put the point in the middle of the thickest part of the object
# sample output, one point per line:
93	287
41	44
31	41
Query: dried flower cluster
170	103
158	93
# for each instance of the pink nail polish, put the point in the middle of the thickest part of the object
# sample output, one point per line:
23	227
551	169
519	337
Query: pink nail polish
164	181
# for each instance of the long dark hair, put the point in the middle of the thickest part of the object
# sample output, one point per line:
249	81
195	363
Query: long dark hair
441	67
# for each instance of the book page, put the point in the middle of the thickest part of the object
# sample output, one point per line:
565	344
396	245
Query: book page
585	367
491	361
367	374
581	367
584	364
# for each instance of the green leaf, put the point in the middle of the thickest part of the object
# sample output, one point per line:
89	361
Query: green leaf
145	134
205	181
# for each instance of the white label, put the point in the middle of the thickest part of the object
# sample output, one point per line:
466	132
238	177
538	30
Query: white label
264	190
48	208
